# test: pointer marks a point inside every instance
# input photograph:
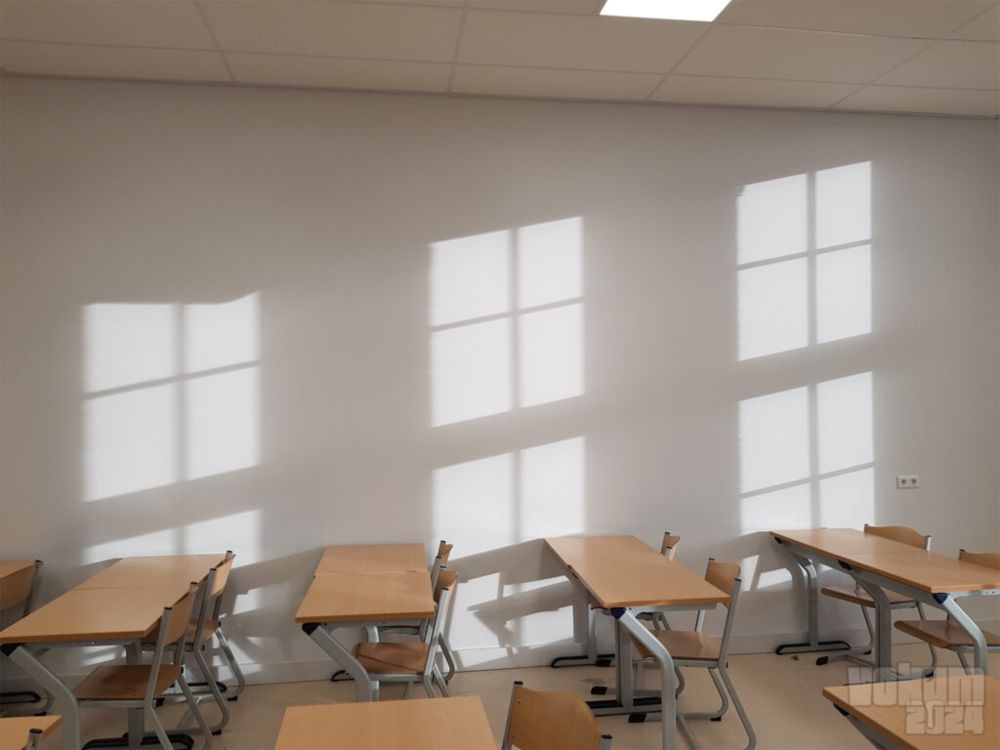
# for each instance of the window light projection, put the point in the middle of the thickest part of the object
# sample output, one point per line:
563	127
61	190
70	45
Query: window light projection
804	255
506	320
797	471
672	10
501	500
171	393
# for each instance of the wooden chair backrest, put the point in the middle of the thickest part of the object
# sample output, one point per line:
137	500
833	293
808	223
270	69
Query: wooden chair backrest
180	614
16	588
986	559
668	547
221	576
444	551
903	534
446	580
722	575
551	720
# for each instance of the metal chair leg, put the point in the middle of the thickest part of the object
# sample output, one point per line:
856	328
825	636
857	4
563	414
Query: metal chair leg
449	659
406	690
428	684
193	707
964	662
158	729
920	610
744	719
241	680
199	658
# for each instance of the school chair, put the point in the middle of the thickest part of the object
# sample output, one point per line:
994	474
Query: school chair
550	720
947	633
17	593
692	648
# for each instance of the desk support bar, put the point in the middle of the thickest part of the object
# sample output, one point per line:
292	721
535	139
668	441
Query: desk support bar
326	641
64	697
812	612
668	700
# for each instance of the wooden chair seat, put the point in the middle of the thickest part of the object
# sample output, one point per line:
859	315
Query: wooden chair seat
860	596
943	633
124	682
690	645
406	657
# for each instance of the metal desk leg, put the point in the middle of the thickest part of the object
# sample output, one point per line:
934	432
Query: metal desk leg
591	658
342	656
668	700
969	625
812	612
64	697
883	631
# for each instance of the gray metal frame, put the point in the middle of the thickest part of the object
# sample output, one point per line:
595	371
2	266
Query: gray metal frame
367	684
719	666
8	698
873	583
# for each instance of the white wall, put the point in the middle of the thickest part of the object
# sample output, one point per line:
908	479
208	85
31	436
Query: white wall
237	317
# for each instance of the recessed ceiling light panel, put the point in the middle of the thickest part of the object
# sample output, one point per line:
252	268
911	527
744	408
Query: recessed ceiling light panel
674	10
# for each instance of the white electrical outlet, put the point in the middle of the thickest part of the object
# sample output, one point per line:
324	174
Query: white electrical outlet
907	481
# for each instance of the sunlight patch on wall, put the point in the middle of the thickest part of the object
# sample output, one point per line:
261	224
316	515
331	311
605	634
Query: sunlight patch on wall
506	320
843	294
771	219
787	508
843	205
773	306
473	502
847	500
171	392
130	441
774	439
844	414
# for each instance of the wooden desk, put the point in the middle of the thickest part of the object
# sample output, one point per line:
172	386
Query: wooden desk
625	576
354	597
953	712
85	615
877	563
10	567
163	570
372	558
364	585
14	729
425	724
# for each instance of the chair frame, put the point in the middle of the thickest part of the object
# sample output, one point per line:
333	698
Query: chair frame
858	654
718	669
26	697
149	701
668	548
962	650
505	744
430	676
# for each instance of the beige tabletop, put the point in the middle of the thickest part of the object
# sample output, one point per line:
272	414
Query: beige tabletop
95	615
143	572
14	729
388	595
9	567
622	571
372	558
955	712
909	565
426	724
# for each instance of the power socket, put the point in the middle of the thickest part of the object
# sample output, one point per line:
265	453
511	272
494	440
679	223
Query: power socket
907	481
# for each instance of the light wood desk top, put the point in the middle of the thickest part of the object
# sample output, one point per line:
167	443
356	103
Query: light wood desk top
14	729
427	724
95	615
372	558
163	570
9	567
934	725
927	571
622	571
346	597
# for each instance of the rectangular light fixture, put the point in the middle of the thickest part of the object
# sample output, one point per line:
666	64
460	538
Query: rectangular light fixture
674	10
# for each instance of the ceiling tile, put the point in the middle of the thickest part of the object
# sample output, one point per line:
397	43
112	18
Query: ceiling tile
329	72
364	30
555	84
580	7
924	101
984	27
796	55
565	41
907	18
130	24
753	92
951	64
113	62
